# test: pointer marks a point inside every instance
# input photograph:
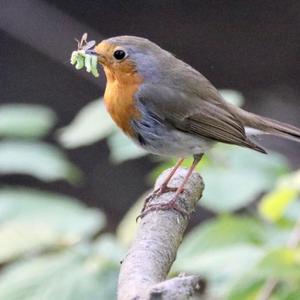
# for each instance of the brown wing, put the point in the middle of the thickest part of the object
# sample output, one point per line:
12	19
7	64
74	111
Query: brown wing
204	114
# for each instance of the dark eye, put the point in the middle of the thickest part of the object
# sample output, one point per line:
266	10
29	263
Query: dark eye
119	54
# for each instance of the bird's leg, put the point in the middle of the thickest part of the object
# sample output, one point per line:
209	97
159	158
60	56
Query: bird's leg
164	188
172	204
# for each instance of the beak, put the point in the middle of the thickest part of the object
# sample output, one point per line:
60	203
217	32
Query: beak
101	58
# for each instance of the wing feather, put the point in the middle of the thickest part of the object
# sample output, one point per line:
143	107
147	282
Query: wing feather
204	113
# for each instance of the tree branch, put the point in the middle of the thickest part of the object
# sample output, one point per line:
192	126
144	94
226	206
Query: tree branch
146	266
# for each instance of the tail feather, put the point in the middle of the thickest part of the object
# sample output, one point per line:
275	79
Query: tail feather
270	126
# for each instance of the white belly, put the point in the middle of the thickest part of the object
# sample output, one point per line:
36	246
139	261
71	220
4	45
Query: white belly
176	143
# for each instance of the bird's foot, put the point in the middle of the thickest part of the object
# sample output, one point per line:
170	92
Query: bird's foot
159	191
164	206
156	193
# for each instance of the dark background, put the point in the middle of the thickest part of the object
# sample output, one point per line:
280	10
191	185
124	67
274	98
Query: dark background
250	46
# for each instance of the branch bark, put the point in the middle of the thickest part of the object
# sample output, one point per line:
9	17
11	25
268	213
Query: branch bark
145	268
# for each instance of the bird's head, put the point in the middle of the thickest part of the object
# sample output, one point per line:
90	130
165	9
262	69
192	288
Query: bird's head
124	56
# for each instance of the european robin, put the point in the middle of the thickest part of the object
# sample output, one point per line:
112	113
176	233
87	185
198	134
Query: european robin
170	109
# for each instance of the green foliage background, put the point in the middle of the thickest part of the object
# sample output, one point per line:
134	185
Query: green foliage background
54	247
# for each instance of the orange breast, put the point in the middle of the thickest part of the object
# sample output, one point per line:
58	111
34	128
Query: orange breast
119	98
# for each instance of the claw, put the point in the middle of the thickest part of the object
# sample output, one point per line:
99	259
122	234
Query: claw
156	193
165	206
159	191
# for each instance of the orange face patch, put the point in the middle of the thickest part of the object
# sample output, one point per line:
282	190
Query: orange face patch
123	82
105	52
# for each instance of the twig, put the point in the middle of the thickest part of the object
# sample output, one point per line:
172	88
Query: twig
271	284
146	266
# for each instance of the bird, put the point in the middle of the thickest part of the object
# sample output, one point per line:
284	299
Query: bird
170	109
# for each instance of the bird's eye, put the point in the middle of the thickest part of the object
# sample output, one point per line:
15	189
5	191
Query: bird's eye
119	54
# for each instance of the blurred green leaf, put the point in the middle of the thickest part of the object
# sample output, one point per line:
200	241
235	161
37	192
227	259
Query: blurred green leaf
223	266
90	125
251	286
224	231
127	228
281	263
25	120
236	176
122	148
71	275
233	97
292	211
37	159
274	204
110	248
291	180
222	250
246	289
287	292
33	220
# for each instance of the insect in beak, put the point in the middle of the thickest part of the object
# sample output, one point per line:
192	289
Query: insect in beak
91	52
83	44
85	56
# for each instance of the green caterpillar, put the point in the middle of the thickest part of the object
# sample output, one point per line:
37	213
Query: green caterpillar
80	59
